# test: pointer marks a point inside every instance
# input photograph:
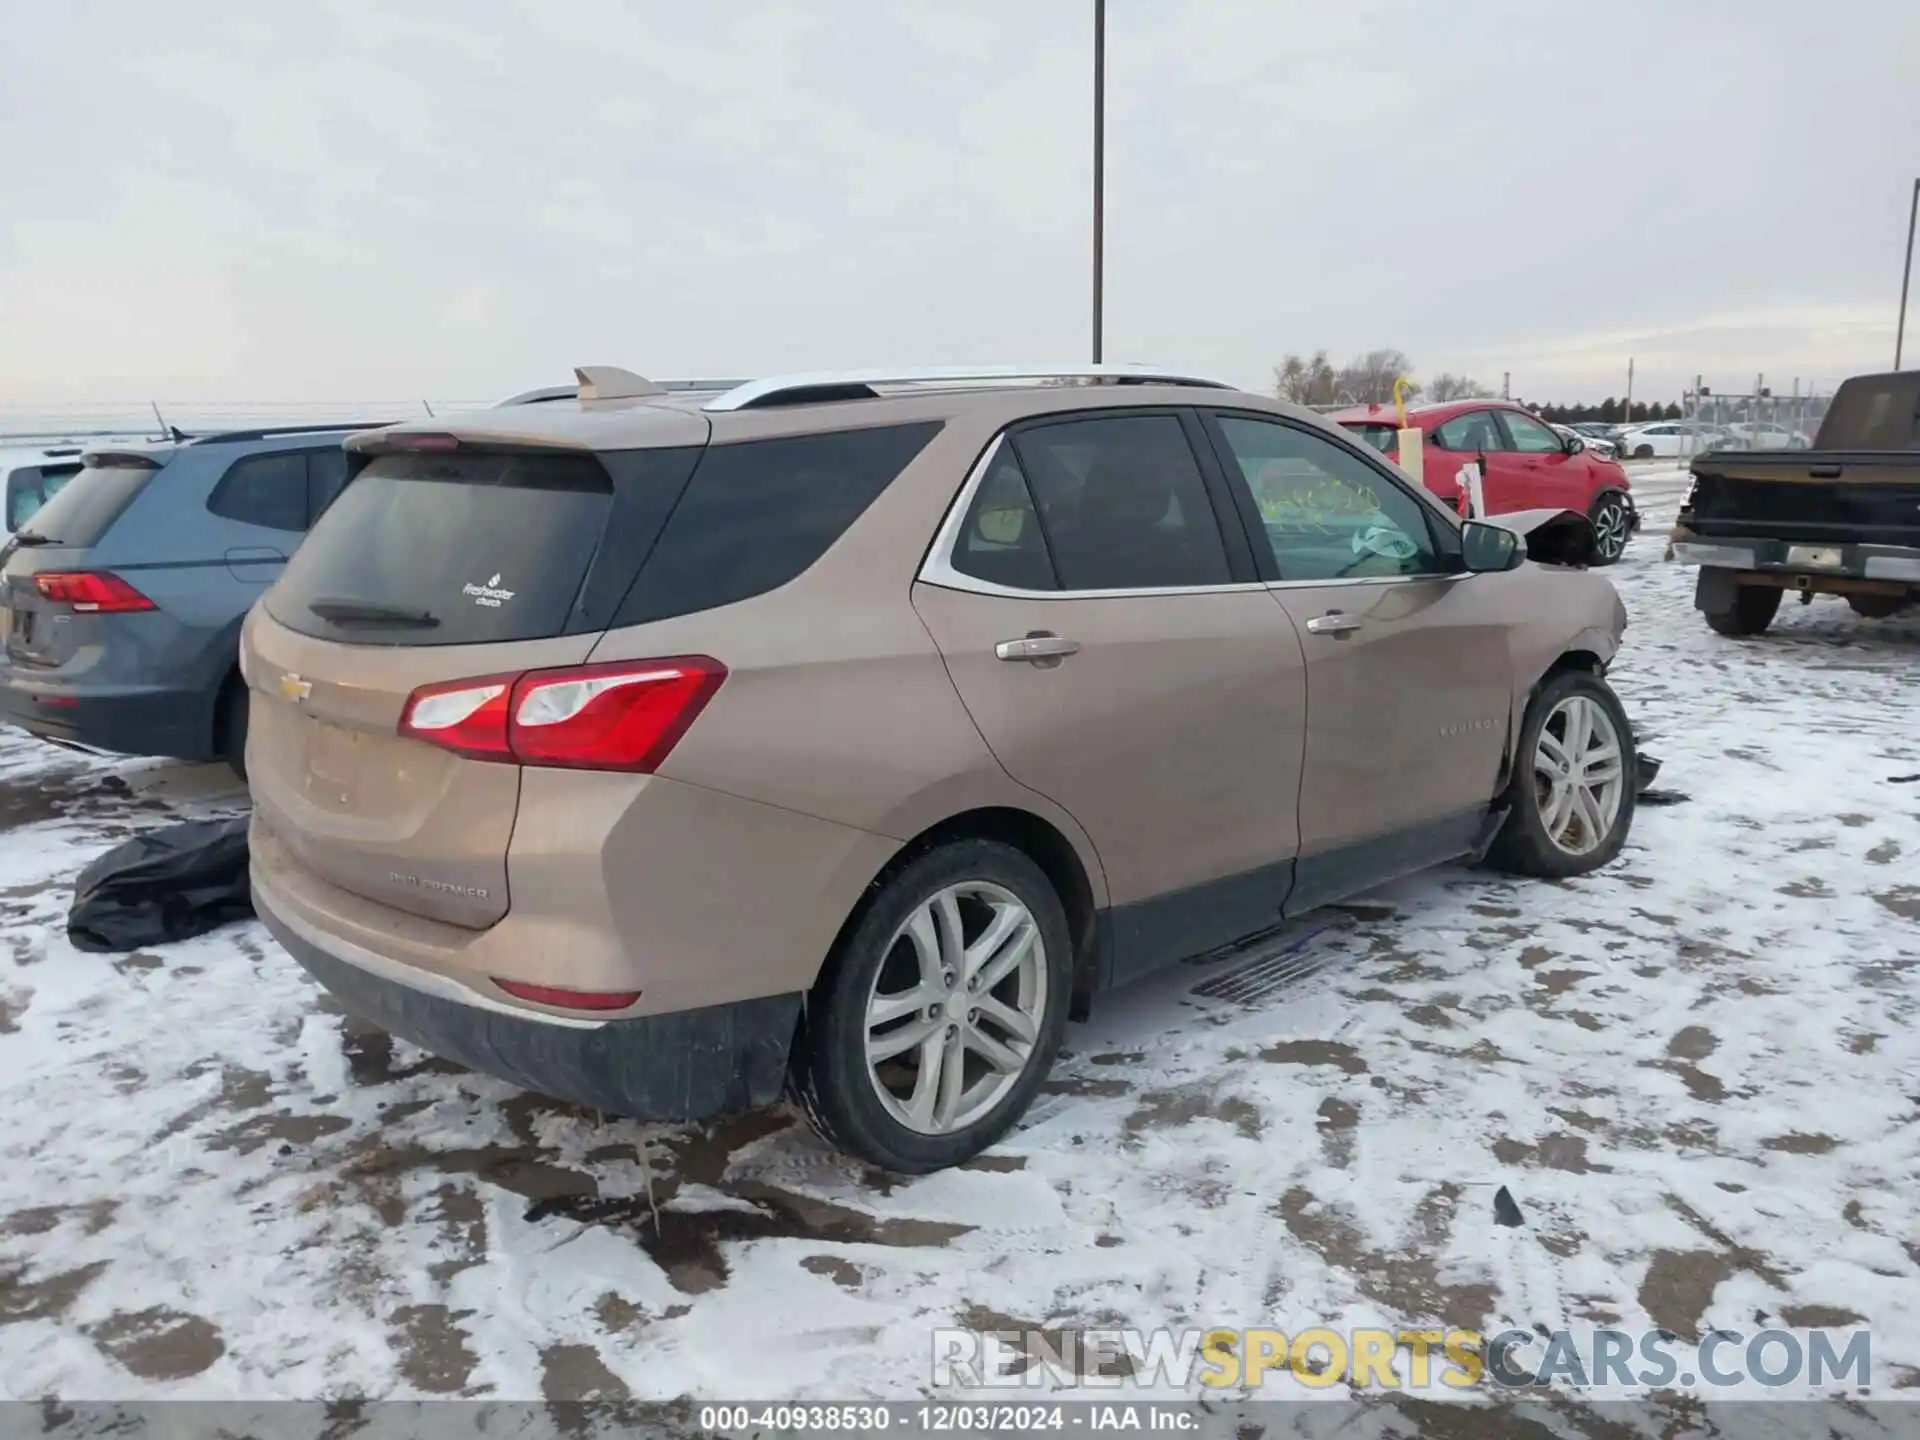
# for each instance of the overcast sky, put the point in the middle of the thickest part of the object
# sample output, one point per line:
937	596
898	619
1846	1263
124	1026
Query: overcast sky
348	199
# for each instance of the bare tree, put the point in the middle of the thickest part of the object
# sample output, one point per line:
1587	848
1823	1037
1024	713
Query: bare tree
1306	380
1369	378
1448	386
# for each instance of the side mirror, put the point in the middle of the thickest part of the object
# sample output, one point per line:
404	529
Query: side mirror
1575	444
1485	548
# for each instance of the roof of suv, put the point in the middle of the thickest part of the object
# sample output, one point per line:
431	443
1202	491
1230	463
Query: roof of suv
616	410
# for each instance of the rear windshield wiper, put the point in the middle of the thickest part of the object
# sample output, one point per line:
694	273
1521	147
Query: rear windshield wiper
369	612
31	537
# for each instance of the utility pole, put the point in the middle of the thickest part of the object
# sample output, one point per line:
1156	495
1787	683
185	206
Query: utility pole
1906	274
1629	415
1100	170
1506	385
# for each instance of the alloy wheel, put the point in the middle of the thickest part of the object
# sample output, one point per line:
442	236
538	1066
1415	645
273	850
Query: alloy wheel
956	1007
1579	778
1610	529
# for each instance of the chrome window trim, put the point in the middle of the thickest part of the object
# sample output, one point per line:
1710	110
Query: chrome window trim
937	569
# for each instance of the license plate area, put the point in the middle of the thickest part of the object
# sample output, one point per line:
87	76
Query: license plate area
1815	557
334	756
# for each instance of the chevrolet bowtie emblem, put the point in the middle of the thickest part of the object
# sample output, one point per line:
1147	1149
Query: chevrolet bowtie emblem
294	688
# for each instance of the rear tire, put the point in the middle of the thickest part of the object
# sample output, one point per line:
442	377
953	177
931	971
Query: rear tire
1751	612
1551	831
230	726
897	950
1612	525
1878	607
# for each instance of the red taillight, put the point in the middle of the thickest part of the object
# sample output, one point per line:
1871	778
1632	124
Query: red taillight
95	592
569	999
468	717
627	715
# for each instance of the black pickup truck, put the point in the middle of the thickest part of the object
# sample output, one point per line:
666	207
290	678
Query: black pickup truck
1842	518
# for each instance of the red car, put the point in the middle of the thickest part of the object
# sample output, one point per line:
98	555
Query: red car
1525	464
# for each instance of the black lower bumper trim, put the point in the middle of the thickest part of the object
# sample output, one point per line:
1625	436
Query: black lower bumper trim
689	1065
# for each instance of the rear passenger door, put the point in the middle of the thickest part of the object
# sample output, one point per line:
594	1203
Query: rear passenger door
1109	636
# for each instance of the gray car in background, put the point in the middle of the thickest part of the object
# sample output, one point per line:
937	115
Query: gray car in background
121	598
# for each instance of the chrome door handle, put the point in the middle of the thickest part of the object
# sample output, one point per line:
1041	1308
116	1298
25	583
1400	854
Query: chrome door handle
1041	646
1334	622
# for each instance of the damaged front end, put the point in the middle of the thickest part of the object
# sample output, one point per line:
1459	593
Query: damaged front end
1553	537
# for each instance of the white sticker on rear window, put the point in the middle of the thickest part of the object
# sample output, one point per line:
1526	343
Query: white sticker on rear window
489	594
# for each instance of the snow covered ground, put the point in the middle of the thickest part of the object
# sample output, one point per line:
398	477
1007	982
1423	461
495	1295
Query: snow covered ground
1697	1072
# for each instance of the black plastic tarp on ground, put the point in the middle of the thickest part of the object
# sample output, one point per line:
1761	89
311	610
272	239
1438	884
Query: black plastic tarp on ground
171	883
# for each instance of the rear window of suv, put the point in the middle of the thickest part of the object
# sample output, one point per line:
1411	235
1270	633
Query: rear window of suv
458	549
83	509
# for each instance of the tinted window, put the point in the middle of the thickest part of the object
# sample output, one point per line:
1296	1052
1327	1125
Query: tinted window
492	547
1473	431
1001	540
1326	513
759	512
24	495
1123	504
1529	436
89	503
326	477
269	490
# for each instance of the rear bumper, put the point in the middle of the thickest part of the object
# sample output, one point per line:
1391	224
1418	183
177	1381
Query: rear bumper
684	1065
171	722
1785	559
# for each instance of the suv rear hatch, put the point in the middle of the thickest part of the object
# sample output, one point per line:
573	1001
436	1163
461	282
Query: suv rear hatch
50	597
446	568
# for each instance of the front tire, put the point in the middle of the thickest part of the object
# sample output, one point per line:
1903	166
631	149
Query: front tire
1750	612
940	1012
1571	799
1643	452
1611	527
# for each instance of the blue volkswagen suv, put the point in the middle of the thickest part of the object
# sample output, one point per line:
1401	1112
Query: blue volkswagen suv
121	598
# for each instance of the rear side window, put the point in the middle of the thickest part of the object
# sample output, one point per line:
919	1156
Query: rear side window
1123	504
459	549
1000	541
759	512
88	504
268	490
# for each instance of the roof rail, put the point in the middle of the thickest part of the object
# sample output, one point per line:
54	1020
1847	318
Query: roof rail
858	384
267	432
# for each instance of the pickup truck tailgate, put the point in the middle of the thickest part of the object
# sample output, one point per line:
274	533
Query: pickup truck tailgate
1853	498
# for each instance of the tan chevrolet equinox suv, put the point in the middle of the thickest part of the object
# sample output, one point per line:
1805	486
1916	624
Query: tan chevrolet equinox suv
660	748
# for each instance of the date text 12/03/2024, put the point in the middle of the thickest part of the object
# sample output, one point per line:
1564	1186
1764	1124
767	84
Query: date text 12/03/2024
960	1417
